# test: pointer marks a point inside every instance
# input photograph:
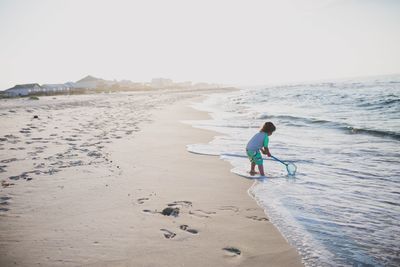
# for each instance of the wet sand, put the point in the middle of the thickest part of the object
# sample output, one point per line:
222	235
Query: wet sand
106	180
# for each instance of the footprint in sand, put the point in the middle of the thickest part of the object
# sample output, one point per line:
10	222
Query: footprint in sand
150	211
12	139
200	213
168	234
23	175
3	168
186	228
5	184
3	203
170	212
142	200
8	160
231	208
232	251
188	204
174	209
256	218
206	212
26	131
183	203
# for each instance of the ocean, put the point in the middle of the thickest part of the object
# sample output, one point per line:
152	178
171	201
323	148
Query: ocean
342	208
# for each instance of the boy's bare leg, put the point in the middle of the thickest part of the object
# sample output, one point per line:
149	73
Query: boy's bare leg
261	169
253	171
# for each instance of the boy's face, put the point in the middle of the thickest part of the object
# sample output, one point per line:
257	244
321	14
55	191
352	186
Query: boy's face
269	133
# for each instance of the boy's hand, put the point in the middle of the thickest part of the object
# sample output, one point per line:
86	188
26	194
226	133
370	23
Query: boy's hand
265	151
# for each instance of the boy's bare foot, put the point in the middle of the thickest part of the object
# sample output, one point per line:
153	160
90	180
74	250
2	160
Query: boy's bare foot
252	173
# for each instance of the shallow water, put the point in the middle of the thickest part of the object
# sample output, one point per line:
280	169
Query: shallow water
343	206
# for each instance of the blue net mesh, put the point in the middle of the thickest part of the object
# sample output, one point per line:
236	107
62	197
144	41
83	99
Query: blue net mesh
291	169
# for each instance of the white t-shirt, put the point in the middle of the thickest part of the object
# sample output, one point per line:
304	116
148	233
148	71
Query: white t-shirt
258	141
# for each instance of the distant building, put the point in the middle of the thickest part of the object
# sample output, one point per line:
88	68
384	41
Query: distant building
70	84
89	82
23	90
61	87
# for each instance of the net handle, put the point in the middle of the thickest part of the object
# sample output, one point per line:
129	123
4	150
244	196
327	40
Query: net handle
275	158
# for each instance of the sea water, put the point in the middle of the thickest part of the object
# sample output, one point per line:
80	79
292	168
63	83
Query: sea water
343	206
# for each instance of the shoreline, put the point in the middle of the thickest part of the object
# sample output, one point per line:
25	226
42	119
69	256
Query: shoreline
117	219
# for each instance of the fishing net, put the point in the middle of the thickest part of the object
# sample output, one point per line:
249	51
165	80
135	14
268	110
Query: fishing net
291	169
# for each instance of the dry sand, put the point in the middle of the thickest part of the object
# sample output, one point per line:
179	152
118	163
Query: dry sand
86	185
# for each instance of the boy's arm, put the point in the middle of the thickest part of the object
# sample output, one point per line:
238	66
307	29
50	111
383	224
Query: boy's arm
265	151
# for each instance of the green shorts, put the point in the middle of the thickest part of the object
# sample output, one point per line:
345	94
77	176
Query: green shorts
255	157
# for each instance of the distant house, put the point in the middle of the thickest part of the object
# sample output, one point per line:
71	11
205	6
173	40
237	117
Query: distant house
90	82
23	89
70	84
61	87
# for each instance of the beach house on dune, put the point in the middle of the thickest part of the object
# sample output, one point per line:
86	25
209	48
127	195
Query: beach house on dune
23	89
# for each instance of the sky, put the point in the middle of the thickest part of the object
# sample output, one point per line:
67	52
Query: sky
219	41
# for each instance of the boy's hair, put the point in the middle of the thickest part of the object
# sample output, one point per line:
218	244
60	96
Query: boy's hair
268	127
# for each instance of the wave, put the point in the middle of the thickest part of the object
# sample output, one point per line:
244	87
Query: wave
337	125
381	104
378	133
390	101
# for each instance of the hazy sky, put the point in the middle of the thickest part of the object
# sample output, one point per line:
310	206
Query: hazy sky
232	42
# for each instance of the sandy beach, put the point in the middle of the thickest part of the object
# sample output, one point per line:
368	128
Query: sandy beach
106	180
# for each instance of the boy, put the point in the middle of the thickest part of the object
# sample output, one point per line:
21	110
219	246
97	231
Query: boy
259	142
